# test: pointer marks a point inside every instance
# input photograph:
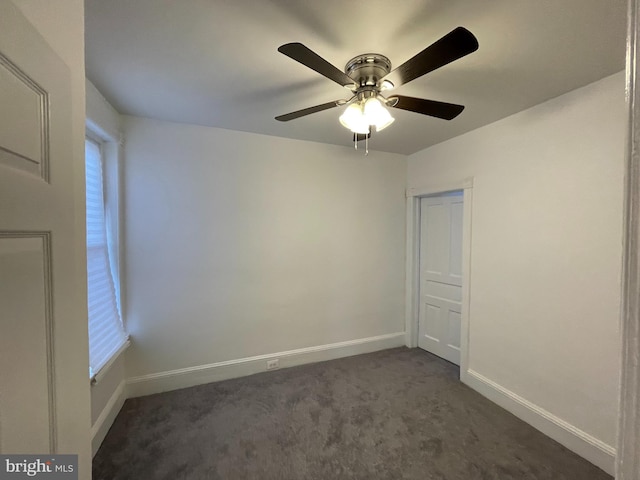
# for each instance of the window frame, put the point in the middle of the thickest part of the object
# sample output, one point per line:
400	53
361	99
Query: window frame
110	153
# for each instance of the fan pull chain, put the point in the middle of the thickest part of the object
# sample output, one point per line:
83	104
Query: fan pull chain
366	142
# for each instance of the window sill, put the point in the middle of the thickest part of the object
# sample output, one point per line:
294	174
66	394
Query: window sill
99	375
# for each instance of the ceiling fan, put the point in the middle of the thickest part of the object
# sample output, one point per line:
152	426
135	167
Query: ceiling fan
370	74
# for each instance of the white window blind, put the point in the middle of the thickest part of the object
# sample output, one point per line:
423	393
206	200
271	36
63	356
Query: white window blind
106	333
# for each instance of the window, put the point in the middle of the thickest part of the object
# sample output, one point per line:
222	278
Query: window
106	332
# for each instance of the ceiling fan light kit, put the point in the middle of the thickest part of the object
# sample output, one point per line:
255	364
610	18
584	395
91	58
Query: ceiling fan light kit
361	115
368	75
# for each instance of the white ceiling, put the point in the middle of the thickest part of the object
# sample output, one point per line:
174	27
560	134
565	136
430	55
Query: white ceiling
215	62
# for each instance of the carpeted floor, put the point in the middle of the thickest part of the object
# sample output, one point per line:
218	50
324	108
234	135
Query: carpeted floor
395	414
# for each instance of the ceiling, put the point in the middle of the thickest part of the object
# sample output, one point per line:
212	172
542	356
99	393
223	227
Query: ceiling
215	62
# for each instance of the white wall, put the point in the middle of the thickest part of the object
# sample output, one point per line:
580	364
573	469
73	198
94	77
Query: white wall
101	118
102	395
240	245
546	250
61	23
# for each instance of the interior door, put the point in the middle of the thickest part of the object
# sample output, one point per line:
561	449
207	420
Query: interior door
43	400
441	275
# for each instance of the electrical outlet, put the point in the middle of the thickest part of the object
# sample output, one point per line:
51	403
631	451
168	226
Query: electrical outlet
273	364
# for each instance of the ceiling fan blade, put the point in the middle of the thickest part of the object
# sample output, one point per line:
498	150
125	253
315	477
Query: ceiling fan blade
454	45
307	57
446	111
308	111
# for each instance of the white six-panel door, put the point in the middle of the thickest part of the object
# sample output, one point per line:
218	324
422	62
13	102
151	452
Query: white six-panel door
39	304
441	275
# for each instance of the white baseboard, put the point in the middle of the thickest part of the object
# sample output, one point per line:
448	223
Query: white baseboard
188	377
576	440
107	417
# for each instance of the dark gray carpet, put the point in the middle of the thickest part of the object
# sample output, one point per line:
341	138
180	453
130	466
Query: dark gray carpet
396	414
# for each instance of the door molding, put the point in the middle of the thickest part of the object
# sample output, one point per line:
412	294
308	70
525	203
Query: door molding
412	282
628	445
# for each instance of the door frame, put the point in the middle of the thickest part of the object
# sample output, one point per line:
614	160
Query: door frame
628	441
414	195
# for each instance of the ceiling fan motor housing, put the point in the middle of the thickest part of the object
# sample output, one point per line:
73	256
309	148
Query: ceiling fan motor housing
367	70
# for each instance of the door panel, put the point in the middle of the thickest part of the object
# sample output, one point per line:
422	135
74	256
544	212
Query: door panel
435	264
26	376
23	140
431	322
454	323
455	241
43	398
441	275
